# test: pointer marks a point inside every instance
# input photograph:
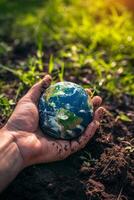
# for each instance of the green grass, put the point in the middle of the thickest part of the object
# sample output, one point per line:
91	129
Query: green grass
67	36
5	105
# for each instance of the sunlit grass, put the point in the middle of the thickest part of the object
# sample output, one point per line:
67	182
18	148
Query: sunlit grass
88	33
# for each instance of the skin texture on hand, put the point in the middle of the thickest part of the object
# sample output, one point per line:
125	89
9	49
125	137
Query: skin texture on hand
34	146
11	162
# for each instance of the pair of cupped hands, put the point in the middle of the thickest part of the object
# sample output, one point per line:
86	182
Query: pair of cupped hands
36	147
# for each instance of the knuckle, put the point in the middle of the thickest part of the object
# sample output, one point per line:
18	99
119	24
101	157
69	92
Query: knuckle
83	145
62	156
74	148
21	100
101	110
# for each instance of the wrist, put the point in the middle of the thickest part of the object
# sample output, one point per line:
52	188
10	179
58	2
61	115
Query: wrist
10	158
9	139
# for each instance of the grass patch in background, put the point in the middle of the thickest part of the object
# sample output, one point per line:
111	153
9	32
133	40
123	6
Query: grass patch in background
65	37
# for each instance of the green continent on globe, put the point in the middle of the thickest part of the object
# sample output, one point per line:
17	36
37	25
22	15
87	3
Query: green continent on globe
67	119
65	110
54	91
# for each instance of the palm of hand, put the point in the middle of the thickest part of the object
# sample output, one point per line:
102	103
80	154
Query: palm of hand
34	146
23	125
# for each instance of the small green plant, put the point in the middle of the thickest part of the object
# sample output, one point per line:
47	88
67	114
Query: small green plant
87	158
61	73
51	65
27	75
130	147
6	105
122	116
4	48
56	69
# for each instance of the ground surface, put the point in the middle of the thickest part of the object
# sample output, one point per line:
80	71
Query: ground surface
92	46
103	170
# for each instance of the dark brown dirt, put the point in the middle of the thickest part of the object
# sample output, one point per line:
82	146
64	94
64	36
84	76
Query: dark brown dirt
106	172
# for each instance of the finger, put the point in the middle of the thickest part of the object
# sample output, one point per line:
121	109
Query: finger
99	113
64	150
84	139
35	92
96	101
90	131
54	150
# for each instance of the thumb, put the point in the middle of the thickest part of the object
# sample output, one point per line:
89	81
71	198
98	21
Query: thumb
35	91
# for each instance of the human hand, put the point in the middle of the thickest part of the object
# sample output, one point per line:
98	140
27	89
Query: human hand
34	146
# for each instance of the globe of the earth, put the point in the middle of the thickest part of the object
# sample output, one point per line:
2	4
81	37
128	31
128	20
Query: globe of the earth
65	110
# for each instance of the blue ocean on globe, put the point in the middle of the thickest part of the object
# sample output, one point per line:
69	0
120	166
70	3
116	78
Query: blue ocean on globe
65	110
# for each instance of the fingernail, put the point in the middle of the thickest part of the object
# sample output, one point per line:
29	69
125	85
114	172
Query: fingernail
47	77
46	81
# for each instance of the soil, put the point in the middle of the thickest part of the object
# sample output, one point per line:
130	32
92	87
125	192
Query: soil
106	172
